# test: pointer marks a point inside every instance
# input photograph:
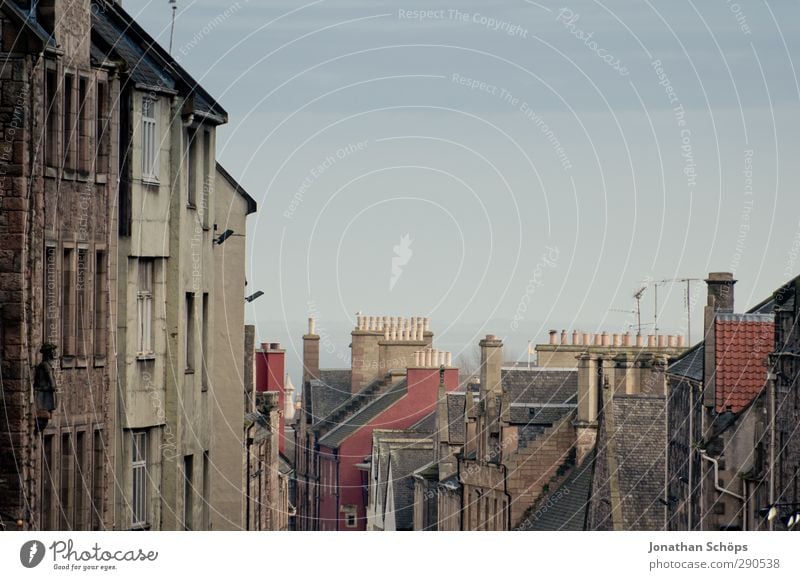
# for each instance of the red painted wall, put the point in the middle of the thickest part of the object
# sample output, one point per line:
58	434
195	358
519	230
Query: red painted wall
423	387
270	373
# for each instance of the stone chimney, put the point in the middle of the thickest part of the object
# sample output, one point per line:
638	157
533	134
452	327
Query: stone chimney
70	22
491	363
310	353
589	392
720	291
289	408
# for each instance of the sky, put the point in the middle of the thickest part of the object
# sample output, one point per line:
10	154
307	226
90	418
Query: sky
501	167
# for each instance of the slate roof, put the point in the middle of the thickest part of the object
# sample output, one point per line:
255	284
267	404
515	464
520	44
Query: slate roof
565	508
404	462
742	344
23	18
148	63
456	407
639	444
539	414
363	416
327	393
426	425
384	441
690	364
537	385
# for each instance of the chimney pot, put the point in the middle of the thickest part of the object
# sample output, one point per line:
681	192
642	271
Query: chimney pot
563	337
661	341
626	339
312	326
651	340
639	340
681	340
587	338
553	339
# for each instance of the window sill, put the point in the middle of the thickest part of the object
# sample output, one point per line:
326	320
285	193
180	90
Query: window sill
68	361
151	181
191	206
146	356
140	527
51	171
101	178
99	360
80	362
188	371
83	176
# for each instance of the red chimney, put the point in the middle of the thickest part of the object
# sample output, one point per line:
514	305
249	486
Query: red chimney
270	373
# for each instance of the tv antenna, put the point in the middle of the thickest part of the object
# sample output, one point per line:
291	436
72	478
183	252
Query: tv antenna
174	4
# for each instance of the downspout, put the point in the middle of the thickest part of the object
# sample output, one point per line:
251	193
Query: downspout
508	496
721	489
771	391
338	493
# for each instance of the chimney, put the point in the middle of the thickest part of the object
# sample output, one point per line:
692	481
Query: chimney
310	353
288	405
491	363
270	373
720	291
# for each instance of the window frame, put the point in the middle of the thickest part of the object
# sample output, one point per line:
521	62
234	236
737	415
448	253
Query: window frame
139	493
145	290
150	138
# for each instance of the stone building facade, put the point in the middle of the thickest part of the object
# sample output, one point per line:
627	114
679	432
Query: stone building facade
58	165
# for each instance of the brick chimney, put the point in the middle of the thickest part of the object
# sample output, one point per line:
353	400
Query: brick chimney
720	299
310	353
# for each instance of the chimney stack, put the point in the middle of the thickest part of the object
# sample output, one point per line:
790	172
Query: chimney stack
491	363
720	291
310	353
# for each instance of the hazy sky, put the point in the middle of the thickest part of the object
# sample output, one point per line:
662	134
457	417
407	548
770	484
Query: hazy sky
525	164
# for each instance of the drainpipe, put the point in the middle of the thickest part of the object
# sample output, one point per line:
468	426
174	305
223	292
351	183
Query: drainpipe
508	496
771	390
721	489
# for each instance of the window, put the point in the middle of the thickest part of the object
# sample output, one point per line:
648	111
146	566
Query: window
190	331
350	516
69	122
67	303
188	491
48	483
191	171
97	480
100	306
83	125
65	494
82	479
50	294
204	345
51	116
82	306
139	479
150	139
144	308
101	139
206	489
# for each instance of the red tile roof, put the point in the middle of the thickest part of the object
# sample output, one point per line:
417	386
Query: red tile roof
743	343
